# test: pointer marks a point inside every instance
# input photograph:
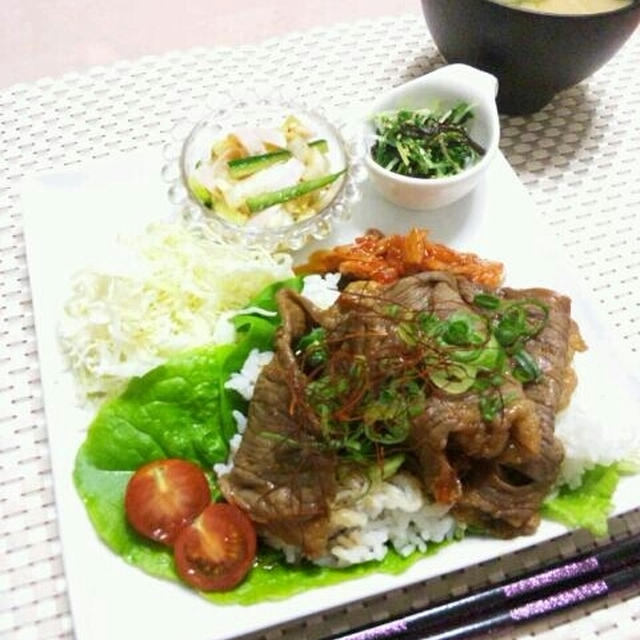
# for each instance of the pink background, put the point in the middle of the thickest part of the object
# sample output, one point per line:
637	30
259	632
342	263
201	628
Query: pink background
50	37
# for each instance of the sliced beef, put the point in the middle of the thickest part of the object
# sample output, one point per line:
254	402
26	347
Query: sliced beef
550	347
368	327
431	291
280	475
494	473
504	496
452	442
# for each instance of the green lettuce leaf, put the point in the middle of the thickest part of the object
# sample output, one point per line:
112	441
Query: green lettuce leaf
590	504
266	299
178	410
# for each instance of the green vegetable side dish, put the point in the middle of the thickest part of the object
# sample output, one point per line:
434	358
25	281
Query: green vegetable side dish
426	143
285	169
181	409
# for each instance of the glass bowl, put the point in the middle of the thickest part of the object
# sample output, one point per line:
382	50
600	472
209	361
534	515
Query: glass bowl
187	147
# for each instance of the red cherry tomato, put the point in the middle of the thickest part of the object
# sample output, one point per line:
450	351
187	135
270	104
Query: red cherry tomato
216	551
164	496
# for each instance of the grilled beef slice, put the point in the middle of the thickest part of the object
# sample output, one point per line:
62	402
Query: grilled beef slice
504	495
280	476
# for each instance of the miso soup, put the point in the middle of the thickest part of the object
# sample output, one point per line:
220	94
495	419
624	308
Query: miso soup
567	6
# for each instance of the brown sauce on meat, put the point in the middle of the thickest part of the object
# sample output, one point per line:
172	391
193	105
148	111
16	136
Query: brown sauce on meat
494	470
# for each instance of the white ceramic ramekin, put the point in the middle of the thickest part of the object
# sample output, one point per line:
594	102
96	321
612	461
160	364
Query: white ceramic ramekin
444	87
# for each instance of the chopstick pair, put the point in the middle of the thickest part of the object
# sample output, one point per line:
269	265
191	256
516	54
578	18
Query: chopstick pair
547	590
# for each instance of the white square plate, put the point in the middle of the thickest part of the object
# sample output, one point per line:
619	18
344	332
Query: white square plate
72	218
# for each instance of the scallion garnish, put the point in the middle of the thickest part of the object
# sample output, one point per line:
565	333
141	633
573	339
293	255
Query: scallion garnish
314	347
364	402
520	321
526	369
486	301
490	404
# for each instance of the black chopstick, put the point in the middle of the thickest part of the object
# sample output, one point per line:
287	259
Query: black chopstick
611	583
543	592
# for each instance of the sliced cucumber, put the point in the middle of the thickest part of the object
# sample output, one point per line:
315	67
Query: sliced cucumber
320	144
216	203
200	192
265	200
243	167
220	206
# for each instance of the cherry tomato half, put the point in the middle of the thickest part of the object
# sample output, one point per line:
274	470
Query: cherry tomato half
164	496
216	551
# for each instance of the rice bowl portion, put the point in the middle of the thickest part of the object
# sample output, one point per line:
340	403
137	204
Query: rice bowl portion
394	511
368	516
372	512
365	523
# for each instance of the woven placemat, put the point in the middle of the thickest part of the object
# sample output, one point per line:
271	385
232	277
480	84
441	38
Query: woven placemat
578	158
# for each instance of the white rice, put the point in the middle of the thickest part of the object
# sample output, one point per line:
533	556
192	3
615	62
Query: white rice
588	438
223	468
244	381
364	524
321	290
393	511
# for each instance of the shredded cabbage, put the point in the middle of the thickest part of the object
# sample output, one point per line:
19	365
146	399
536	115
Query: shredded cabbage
176	285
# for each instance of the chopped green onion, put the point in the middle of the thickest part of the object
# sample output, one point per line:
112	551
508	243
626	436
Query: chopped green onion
454	378
314	347
490	406
516	324
457	333
429	324
407	333
388	468
486	301
392	310
526	368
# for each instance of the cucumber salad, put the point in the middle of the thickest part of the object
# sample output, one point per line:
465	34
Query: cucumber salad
266	177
